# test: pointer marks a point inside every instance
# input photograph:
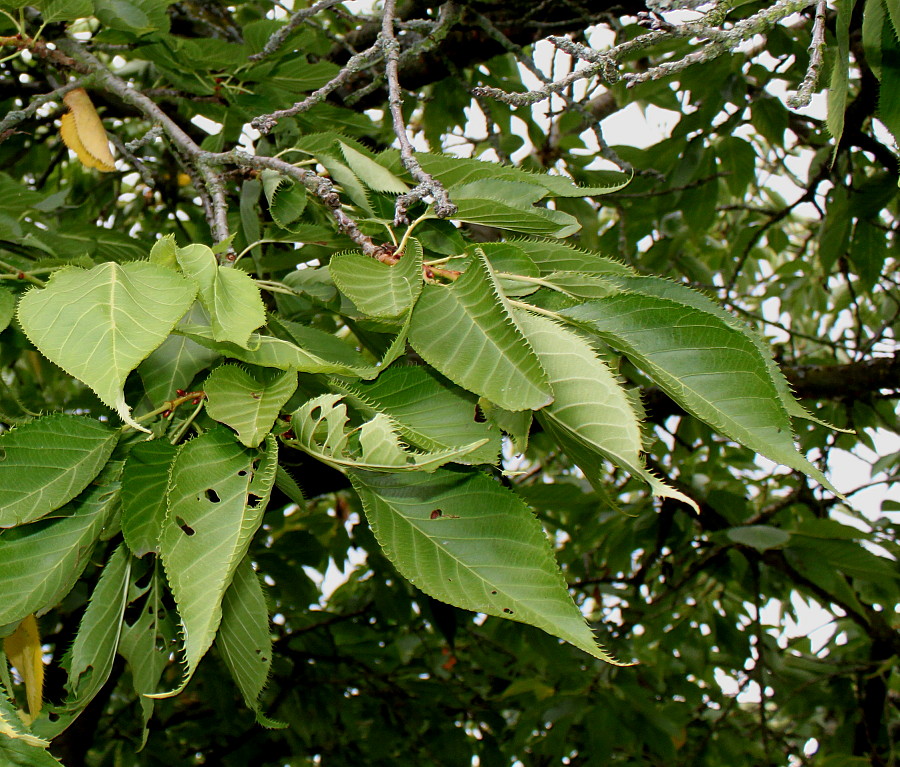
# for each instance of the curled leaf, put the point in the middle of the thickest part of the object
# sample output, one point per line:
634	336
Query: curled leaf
83	132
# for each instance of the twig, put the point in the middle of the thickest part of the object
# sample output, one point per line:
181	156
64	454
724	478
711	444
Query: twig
816	56
427	184
16	116
277	39
358	62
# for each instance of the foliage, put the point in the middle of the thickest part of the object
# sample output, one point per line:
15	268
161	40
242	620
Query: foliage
420	331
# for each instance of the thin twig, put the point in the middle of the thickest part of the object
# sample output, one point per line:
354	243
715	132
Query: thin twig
426	183
277	39
816	56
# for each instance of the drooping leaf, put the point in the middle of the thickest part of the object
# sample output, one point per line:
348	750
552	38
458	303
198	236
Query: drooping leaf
23	649
90	658
99	324
378	289
40	565
247	403
463	539
83	132
590	405
144	482
427	411
230	296
47	462
466	332
838	89
146	642
217	493
321	428
244	639
708	366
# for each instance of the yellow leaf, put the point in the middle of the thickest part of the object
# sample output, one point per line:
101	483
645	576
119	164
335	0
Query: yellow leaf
83	132
23	648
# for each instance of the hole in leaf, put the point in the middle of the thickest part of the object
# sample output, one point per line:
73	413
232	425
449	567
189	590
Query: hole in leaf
316	413
494	593
212	495
185	527
242	473
144	580
436	514
507	611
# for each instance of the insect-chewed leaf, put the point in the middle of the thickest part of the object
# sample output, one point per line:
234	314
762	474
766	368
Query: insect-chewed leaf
83	132
376	288
47	462
229	295
58	550
589	406
99	324
322	429
477	546
217	492
427	411
707	365
244	639
246	404
466	332
145	644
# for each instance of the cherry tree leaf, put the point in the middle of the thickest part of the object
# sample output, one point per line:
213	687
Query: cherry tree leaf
465	540
99	324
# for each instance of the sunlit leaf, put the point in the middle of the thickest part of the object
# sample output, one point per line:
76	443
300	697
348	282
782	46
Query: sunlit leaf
376	288
83	132
99	324
23	649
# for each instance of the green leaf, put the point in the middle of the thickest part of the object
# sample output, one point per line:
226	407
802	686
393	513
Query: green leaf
217	492
888	109
99	324
590	405
287	200
466	332
136	16
40	564
708	366
245	403
89	660
375	176
47	462
321	428
838	89
456	171
146	643
465	540
164	252
229	295
65	10
172	366
378	289
7	308
552	256
427	411
244	639
507	205
759	537
144	483
507	259
13	728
